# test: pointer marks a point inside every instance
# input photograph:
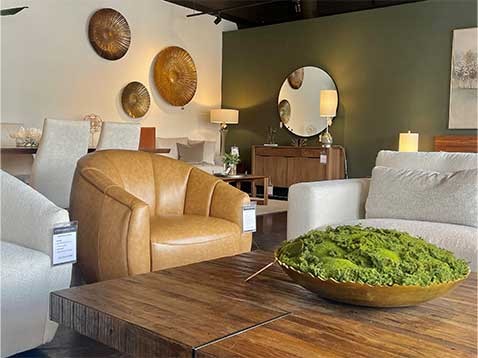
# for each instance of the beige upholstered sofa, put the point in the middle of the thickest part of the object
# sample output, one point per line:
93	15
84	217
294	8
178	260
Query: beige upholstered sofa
319	204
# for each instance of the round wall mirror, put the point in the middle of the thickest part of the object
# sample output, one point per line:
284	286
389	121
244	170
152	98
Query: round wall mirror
299	100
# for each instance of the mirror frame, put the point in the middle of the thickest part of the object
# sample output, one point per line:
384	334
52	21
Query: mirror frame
278	102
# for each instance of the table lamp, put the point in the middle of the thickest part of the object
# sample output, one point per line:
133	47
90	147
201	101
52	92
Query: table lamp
224	117
328	109
408	142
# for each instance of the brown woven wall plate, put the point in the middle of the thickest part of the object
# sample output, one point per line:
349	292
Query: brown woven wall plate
175	76
135	100
296	78
109	34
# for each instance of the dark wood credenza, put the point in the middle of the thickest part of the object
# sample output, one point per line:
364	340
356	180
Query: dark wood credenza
286	165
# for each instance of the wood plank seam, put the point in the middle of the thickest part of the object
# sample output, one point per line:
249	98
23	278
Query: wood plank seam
195	349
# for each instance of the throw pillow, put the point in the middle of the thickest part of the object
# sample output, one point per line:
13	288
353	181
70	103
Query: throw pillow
209	150
191	153
171	144
414	194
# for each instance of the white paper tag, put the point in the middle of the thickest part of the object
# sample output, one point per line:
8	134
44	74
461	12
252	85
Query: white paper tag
323	159
270	190
249	217
64	243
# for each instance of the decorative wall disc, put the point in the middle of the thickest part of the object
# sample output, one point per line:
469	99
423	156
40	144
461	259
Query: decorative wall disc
135	100
284	111
175	76
109	34
296	78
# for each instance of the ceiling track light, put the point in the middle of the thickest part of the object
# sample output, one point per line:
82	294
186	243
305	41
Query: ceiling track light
217	20
217	12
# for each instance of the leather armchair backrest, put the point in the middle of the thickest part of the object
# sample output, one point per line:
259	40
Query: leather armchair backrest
131	170
171	180
159	181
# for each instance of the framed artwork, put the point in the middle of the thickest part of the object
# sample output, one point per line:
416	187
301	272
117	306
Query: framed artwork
464	82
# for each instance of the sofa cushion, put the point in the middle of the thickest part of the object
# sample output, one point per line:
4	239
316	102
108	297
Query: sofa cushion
413	194
434	161
209	155
210	169
185	239
171	144
191	153
461	240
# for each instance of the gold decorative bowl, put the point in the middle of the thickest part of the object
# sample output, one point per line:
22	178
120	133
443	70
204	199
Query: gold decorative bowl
367	295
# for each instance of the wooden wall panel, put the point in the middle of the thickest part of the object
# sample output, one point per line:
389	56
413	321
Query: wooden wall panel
456	143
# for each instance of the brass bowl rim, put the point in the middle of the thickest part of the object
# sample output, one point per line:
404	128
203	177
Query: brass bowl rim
331	280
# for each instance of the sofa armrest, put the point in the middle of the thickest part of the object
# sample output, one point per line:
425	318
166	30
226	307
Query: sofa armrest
325	203
27	216
227	203
113	228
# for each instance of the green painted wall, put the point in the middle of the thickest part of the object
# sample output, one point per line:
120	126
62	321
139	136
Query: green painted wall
391	67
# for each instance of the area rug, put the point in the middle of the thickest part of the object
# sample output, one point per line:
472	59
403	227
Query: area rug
273	206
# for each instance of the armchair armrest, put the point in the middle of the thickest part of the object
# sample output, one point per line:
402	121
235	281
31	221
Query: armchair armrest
113	227
227	203
27	216
325	203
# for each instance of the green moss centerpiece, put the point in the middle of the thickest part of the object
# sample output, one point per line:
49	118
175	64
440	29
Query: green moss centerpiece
371	266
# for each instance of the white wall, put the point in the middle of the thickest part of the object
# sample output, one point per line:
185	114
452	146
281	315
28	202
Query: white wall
49	68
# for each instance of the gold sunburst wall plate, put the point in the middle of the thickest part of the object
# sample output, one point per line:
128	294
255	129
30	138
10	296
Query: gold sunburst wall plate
109	34
175	76
135	100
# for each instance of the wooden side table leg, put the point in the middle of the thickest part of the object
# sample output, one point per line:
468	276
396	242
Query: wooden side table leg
238	185
253	188
266	184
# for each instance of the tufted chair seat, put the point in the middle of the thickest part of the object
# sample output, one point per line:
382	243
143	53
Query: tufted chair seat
139	212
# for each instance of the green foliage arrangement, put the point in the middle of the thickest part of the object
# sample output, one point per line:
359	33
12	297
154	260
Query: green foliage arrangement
231	159
371	256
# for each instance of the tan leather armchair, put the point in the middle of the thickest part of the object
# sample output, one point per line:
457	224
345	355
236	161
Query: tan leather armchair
140	212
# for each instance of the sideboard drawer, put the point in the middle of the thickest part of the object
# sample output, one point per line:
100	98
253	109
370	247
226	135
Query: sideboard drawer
289	165
312	152
277	152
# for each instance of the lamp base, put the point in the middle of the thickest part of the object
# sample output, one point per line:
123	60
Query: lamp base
326	140
223	131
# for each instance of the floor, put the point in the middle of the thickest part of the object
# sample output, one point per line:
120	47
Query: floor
273	206
271	231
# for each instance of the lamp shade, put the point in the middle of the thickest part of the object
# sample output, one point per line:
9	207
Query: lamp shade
226	116
328	103
408	142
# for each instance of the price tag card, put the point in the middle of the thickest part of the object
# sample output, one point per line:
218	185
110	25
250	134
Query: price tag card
64	243
323	159
249	217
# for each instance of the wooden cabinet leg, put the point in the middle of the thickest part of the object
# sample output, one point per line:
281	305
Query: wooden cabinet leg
253	188
266	185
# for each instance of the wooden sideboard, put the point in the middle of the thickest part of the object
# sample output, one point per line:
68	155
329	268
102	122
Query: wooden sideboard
286	165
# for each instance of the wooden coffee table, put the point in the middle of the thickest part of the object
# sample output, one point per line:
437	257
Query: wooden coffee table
208	310
239	179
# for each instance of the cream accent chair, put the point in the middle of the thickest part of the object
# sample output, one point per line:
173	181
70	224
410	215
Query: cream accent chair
63	142
116	135
319	204
27	277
